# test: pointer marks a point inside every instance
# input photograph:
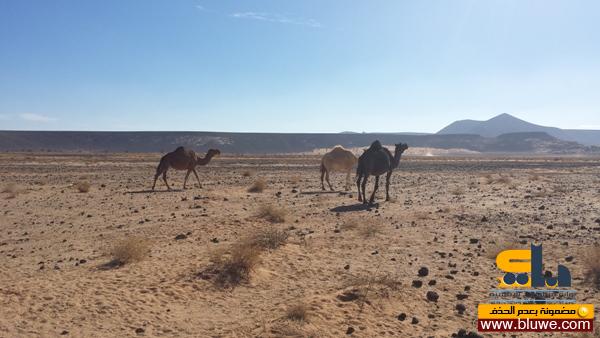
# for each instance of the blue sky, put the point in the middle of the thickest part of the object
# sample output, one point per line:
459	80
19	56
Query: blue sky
296	66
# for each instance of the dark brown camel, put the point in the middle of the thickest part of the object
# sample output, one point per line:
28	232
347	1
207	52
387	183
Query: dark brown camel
182	159
376	161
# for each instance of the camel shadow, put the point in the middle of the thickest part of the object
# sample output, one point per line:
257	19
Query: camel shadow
354	207
323	192
150	191
114	264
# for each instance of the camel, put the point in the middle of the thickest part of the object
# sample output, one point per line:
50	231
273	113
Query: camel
338	159
376	161
182	159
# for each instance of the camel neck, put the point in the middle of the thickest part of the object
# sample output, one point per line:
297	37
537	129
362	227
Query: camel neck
397	160
205	159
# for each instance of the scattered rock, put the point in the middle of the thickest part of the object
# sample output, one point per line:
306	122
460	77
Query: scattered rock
417	284
350	330
180	237
423	272
432	296
402	317
461	308
414	321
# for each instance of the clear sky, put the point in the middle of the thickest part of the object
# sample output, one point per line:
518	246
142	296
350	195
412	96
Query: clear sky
296	66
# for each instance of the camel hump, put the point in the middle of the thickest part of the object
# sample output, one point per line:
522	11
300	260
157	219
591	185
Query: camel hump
179	149
338	149
376	145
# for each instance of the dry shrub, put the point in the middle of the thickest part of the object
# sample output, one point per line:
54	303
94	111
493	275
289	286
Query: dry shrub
248	173
269	238
83	186
351	223
364	287
489	179
129	250
560	189
11	190
592	267
295	179
258	186
235	267
297	312
503	180
541	193
457	191
534	177
272	213
496	248
370	229
422	215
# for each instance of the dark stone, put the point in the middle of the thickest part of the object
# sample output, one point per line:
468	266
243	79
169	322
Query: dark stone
417	284
139	330
350	330
402	317
461	308
180	237
473	241
432	296
423	271
414	321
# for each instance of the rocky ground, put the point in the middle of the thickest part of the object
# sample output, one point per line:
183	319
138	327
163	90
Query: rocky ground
416	266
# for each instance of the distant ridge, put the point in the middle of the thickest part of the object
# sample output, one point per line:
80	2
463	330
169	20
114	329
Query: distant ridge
273	143
506	123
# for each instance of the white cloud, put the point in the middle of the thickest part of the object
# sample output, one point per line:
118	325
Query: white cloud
4	117
36	118
277	18
200	7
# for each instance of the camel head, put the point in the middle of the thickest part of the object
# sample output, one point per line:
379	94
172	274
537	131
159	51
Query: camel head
213	152
400	147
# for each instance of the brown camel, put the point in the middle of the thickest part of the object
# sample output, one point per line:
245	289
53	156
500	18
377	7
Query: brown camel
338	159
376	161
182	159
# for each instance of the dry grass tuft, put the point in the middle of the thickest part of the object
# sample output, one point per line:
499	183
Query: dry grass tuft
295	179
298	312
235	267
422	215
11	190
370	229
350	223
129	250
365	287
269	238
258	186
272	213
494	249
457	191
592	267
503	180
83	186
248	173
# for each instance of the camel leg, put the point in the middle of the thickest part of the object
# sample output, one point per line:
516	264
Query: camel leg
197	178
387	185
186	177
374	190
358	187
164	175
155	178
347	187
327	178
364	187
322	175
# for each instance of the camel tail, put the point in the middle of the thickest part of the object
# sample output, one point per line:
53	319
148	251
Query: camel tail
322	167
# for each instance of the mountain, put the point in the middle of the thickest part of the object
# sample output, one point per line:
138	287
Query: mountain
272	143
506	124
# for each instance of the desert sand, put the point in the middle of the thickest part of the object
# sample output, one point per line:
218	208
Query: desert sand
344	268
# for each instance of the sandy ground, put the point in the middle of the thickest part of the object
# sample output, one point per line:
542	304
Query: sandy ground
448	214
